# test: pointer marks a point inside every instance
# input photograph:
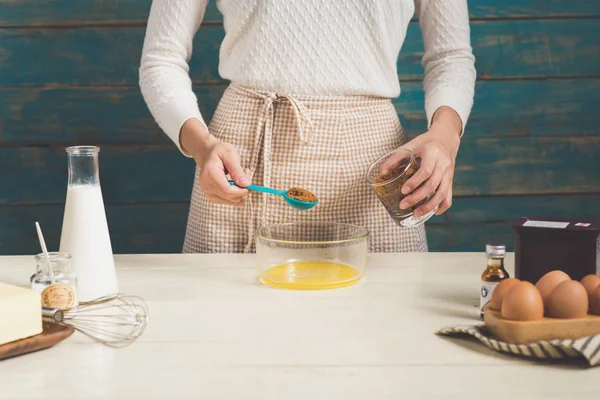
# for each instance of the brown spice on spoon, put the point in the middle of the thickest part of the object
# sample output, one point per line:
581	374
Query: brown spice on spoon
302	195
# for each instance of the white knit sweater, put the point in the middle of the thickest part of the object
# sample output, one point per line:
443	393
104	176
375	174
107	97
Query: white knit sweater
310	47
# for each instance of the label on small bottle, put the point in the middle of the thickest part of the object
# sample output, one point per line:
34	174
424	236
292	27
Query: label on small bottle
59	295
485	294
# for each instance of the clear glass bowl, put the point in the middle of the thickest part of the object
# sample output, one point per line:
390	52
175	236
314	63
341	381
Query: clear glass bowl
311	255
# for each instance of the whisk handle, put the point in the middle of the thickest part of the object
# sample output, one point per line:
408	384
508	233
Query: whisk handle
52	314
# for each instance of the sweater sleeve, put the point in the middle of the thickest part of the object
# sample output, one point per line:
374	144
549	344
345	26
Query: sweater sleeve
164	71
448	60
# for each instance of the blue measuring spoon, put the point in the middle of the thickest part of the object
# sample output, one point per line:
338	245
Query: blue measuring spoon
295	203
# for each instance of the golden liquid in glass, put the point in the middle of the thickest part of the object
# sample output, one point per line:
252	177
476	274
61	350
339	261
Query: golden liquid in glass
311	275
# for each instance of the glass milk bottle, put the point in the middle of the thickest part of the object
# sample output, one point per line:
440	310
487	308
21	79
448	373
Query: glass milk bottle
85	230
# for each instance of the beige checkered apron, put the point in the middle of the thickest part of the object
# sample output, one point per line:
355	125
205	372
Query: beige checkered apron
322	144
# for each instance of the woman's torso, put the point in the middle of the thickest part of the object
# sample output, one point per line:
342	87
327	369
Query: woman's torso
314	47
330	160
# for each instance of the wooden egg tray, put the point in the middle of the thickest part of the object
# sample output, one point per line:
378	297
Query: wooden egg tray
524	332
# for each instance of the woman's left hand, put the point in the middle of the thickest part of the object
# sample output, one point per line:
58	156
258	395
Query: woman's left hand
437	150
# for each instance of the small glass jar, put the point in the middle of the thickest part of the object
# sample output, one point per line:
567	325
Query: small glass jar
55	281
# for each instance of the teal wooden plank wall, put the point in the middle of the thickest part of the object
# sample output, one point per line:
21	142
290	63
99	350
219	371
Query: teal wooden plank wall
68	75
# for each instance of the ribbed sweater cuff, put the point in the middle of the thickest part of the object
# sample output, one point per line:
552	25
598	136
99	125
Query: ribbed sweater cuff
451	97
174	113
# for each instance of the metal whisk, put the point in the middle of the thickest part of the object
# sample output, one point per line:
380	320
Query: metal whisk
116	320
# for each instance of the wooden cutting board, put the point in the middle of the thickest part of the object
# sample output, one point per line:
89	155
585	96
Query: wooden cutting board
524	332
51	335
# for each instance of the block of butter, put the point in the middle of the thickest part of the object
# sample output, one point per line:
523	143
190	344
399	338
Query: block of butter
20	313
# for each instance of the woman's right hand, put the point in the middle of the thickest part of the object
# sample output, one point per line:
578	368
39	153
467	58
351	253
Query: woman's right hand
216	160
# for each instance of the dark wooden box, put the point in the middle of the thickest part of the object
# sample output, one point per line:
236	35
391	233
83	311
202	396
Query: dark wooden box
546	244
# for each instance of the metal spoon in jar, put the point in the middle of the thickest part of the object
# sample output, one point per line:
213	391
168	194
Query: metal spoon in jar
295	203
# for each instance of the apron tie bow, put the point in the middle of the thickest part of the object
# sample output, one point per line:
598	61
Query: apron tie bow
263	138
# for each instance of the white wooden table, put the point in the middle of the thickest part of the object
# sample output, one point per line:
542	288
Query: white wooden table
215	333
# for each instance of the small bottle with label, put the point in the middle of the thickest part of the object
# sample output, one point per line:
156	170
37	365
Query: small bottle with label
493	274
55	281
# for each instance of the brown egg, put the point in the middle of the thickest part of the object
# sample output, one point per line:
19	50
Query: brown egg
590	283
522	302
500	291
568	300
595	302
549	281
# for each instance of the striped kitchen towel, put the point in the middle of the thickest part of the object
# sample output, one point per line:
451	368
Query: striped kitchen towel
586	347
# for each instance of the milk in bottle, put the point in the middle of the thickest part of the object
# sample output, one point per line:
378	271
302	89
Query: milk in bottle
85	230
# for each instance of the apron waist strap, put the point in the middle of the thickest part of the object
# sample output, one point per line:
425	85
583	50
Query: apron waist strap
306	130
